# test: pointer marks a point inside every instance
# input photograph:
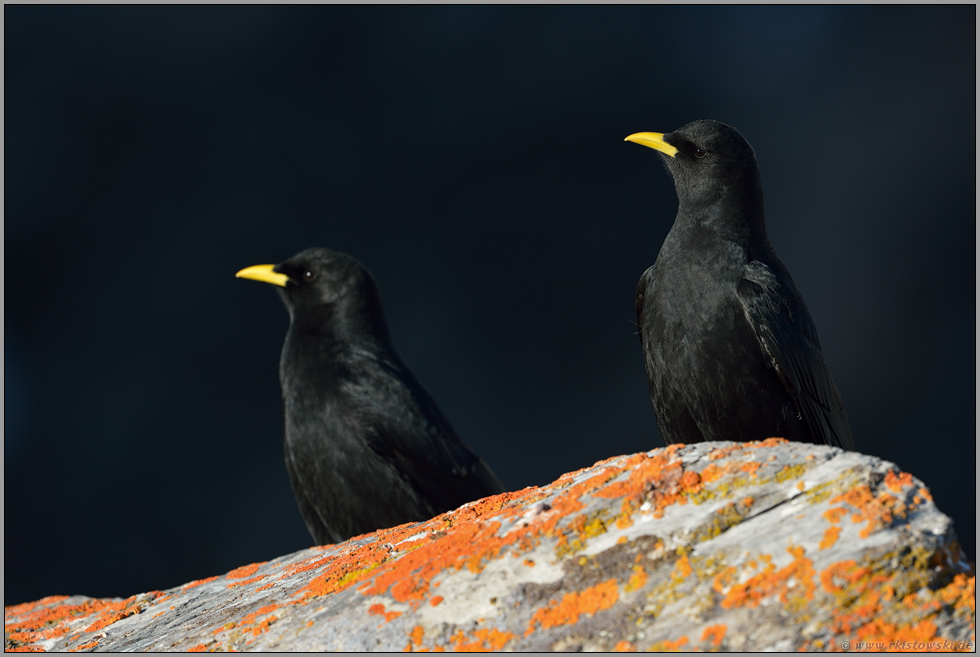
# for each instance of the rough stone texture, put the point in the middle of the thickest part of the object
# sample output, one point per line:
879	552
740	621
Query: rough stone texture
717	546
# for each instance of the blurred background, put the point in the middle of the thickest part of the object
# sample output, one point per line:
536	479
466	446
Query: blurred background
473	159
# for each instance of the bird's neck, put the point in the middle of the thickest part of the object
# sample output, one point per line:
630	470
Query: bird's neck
331	331
737	217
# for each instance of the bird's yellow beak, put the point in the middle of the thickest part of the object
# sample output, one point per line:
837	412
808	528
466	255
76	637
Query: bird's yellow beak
265	274
654	140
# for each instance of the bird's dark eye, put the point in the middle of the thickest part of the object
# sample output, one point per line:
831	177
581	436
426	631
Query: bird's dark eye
700	152
309	275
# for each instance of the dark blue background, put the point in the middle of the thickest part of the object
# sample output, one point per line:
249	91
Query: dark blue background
473	159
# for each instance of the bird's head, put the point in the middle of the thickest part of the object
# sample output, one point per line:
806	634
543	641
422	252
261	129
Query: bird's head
326	291
714	170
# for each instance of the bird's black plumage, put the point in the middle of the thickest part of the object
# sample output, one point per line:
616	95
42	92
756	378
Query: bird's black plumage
730	349
366	446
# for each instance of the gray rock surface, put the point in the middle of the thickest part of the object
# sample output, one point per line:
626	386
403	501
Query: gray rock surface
729	546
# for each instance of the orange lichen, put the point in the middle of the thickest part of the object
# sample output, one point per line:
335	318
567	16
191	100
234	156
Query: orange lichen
722	452
670	646
264	587
898	481
305	565
961	593
201	647
85	646
657	479
865	591
834	515
404	561
624	522
796	579
624	646
115	611
829	537
244	571
379	610
198	582
574	604
924	492
637	580
716	632
877	510
682	568
450	543
485	640
245	582
724	579
712	473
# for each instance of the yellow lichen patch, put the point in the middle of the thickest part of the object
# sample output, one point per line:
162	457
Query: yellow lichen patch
793	584
716	634
485	640
829	537
574	604
637	580
790	472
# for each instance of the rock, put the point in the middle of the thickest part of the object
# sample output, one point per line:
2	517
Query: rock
717	546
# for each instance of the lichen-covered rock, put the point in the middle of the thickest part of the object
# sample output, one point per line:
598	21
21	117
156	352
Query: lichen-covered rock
728	546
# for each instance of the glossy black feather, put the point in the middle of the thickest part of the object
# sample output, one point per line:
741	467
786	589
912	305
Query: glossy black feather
366	446
731	352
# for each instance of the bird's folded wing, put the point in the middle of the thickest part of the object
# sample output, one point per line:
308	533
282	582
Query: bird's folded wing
409	429
787	335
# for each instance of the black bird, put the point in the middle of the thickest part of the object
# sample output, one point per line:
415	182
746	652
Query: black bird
731	352
366	446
